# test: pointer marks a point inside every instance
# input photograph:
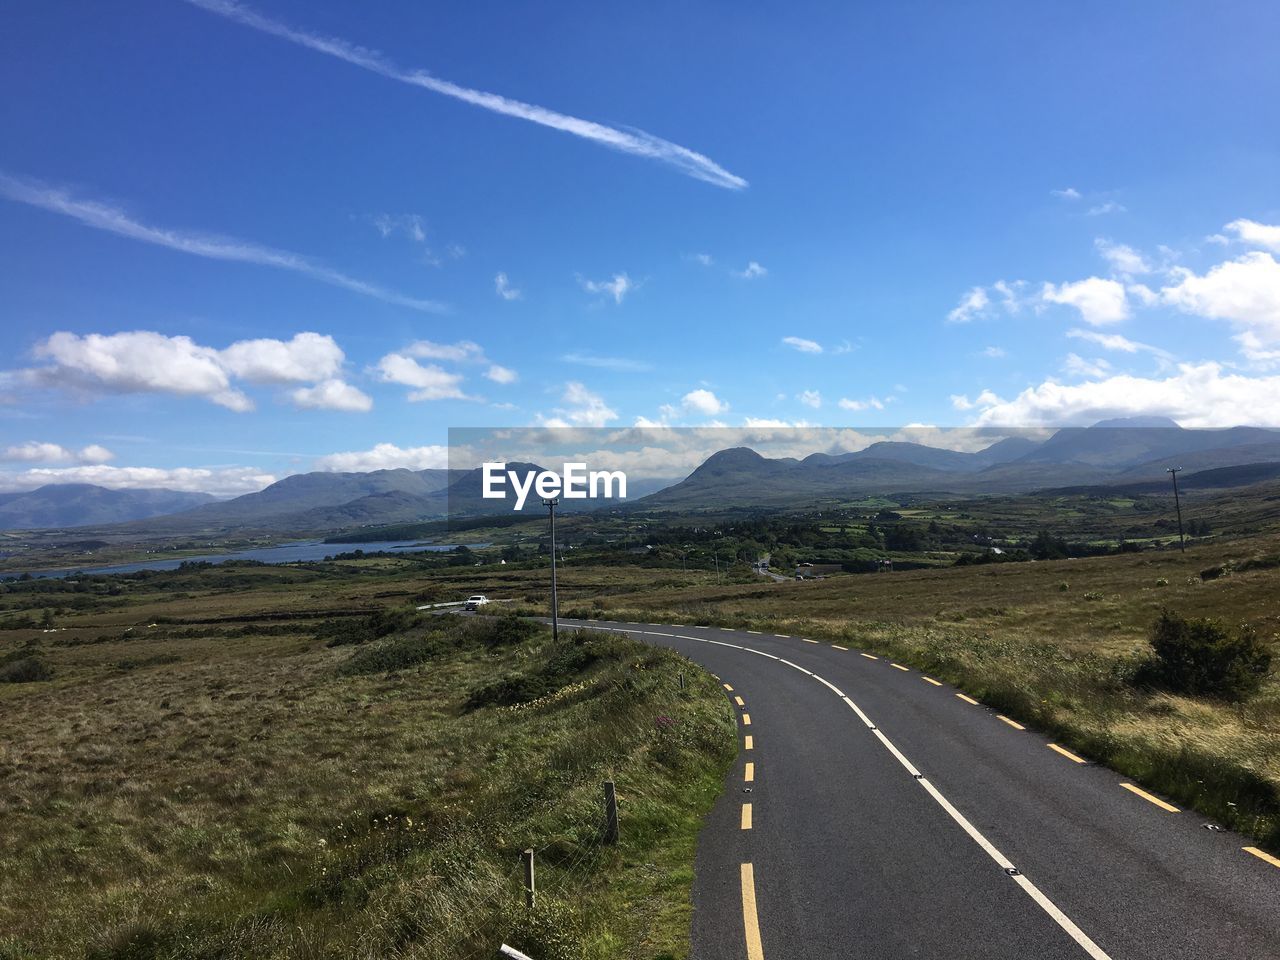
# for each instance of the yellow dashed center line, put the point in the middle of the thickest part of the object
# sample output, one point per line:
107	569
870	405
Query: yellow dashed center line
746	816
746	719
749	774
1262	855
931	680
1013	723
738	701
1149	798
838	647
868	656
750	923
1066	753
898	666
967	699
749	744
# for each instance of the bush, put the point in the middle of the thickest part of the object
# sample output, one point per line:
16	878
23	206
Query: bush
25	670
1202	658
397	654
503	630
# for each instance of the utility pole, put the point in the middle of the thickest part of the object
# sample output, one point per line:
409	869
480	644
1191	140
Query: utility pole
555	610
1173	472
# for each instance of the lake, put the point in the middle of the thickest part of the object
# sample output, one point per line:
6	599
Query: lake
285	553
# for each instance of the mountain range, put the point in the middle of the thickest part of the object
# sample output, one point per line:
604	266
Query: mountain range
1133	454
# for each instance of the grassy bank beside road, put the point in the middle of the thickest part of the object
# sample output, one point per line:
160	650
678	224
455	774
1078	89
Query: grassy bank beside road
302	788
1055	644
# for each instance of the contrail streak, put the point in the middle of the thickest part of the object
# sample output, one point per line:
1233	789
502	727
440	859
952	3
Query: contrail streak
101	216
636	142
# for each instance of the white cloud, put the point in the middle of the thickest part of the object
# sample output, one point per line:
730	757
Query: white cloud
500	374
636	142
307	357
705	259
35	451
385	456
464	351
971	305
1070	193
985	399
1197	395
704	402
803	345
504	289
766	423
617	288
409	224
994	353
1099	301
138	362
143	361
1114	341
430	382
1124	260
1077	366
101	216
1244	291
1256	234
231	481
332	395
584	408
871	403
1109	207
621	364
810	398
751	271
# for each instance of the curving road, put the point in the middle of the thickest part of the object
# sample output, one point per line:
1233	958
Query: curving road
874	812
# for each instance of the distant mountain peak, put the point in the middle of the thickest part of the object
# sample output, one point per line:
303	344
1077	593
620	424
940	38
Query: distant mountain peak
1143	422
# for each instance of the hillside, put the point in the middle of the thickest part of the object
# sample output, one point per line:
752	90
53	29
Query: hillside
56	506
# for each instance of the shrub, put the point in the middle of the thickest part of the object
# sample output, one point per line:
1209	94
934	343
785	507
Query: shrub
25	670
396	654
503	630
1202	658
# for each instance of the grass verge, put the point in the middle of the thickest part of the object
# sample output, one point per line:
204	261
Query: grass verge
283	798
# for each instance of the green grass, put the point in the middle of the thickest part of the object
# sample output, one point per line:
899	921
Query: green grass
233	793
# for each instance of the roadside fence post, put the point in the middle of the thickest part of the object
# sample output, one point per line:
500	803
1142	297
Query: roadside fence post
530	896
610	813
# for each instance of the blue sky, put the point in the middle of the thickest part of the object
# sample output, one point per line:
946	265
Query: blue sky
231	253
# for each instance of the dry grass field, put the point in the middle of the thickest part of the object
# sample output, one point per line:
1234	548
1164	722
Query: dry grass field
203	777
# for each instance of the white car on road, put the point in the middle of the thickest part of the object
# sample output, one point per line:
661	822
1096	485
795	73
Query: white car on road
476	602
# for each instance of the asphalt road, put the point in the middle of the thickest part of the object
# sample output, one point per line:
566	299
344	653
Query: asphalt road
874	813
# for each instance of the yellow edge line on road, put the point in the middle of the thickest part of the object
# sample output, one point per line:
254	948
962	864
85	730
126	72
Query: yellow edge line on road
749	774
898	666
727	687
868	656
807	640
838	647
749	744
783	636
746	719
746	816
750	922
1148	797
967	699
1262	855
1066	753
1013	723
753	631
739	701
931	680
